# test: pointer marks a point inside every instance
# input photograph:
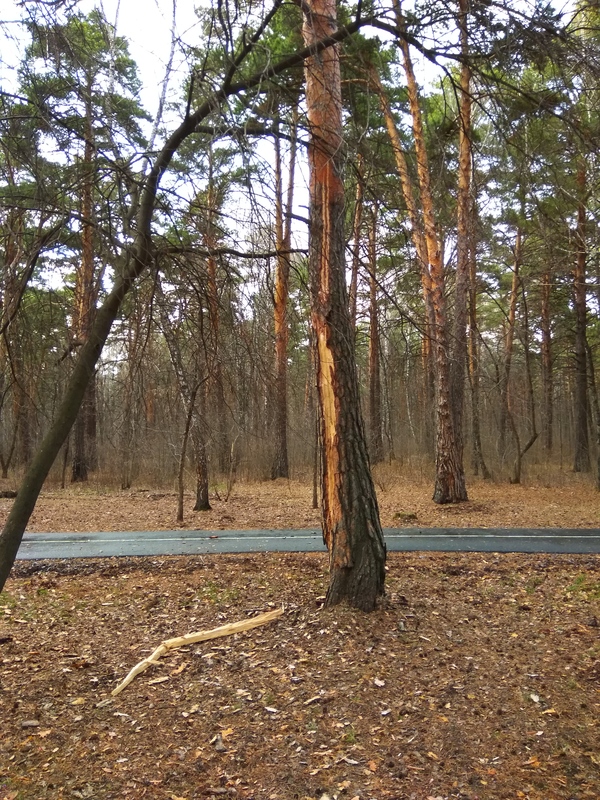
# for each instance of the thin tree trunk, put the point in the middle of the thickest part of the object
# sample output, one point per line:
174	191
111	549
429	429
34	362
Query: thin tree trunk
450	484
420	245
351	526
509	336
188	398
596	409
84	440
478	462
356	238
533	432
547	367
464	229
216	368
582	446
280	467
375	422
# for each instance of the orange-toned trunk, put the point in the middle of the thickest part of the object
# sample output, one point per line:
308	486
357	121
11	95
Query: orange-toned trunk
449	479
280	467
351	526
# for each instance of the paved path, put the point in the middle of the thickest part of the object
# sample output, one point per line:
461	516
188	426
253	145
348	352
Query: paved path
190	542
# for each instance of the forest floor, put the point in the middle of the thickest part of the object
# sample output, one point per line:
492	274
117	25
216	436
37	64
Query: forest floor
477	678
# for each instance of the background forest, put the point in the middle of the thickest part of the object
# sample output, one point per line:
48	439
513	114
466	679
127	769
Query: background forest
489	150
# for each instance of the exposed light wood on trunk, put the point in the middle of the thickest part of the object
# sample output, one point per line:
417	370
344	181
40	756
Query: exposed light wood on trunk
351	526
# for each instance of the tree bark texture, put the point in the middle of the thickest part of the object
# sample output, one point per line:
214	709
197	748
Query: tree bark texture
351	526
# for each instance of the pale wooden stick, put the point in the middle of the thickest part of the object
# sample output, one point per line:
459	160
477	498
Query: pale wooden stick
192	638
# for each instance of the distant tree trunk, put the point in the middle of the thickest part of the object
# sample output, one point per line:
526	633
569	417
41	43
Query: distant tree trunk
596	409
216	385
84	439
283	232
477	460
375	422
547	368
450	484
531	417
351	526
464	228
356	238
420	245
582	445
509	336
195	424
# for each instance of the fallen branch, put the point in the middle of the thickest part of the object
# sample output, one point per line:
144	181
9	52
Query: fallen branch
192	638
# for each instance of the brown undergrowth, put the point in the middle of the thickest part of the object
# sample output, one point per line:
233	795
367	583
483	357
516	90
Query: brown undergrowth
478	678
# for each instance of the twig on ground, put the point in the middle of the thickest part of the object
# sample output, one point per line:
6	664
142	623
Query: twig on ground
192	638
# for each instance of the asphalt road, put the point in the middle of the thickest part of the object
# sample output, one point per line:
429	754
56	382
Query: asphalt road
192	542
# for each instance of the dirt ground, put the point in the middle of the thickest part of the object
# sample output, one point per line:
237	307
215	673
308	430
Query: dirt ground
478	678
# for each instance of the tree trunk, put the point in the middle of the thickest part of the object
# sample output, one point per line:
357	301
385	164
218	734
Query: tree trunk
351	526
375	422
216	386
450	484
464	228
596	409
582	445
546	359
509	336
84	440
280	467
356	239
477	460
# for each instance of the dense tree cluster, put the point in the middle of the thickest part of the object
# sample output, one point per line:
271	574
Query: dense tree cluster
389	208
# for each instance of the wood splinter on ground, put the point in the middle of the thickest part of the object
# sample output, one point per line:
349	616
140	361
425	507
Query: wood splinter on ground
192	638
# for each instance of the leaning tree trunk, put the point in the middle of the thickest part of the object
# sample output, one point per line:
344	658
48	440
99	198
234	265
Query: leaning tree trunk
351	526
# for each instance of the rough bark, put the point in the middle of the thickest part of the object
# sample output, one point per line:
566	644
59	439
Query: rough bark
351	526
463	230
